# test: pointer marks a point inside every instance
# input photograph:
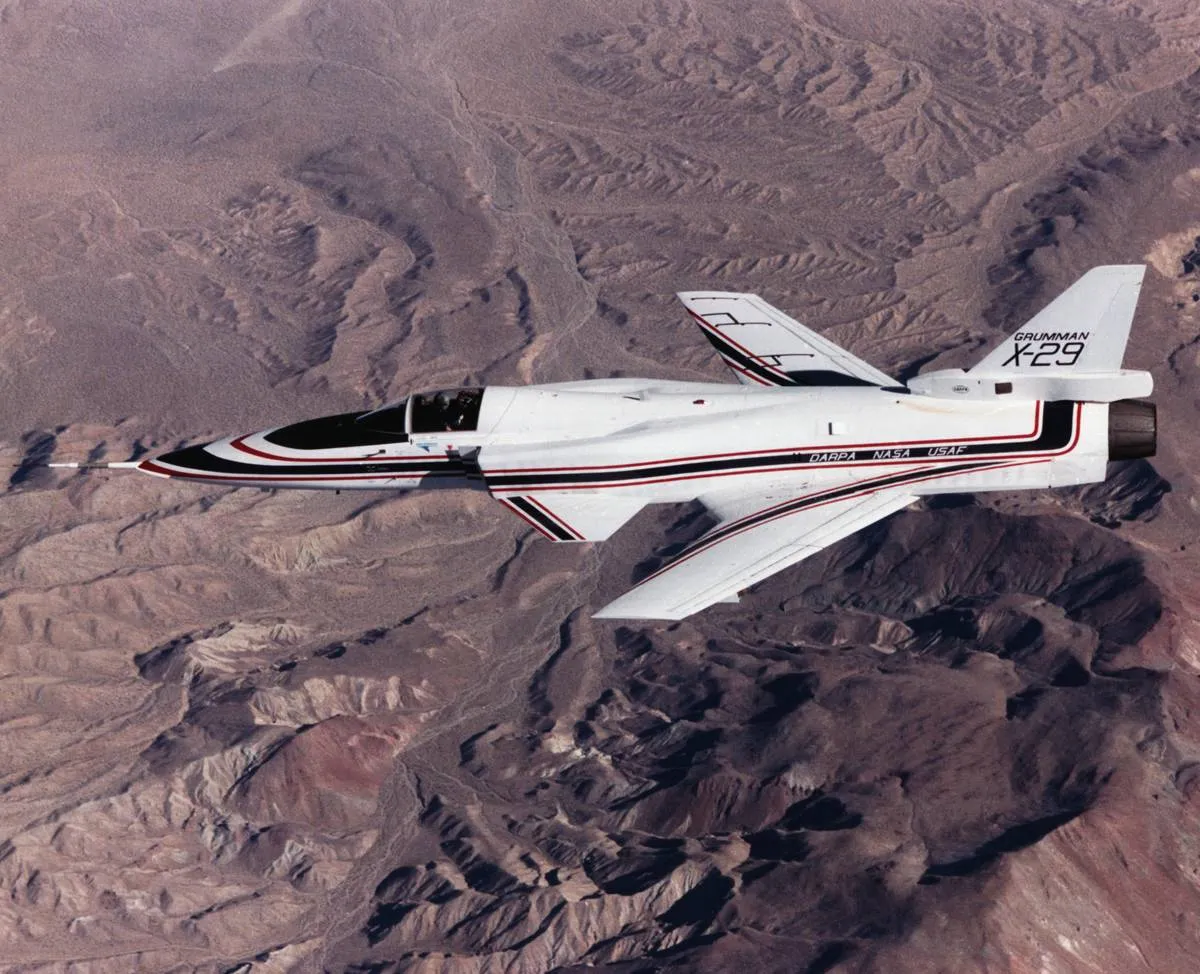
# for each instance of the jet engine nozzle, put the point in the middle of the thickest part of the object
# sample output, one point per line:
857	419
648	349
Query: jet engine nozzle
1132	429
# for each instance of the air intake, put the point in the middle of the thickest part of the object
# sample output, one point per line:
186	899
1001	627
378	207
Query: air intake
1132	429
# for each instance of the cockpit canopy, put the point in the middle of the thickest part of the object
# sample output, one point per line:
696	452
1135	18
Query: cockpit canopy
391	419
447	410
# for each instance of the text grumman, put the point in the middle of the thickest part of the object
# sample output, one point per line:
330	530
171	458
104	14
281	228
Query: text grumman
1051	336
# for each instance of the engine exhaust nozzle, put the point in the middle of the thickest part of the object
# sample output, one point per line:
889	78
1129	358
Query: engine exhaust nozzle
1132	429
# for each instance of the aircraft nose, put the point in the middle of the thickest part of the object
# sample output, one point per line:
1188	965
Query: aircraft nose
191	461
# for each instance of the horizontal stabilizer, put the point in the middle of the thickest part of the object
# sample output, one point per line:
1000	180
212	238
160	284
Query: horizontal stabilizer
571	516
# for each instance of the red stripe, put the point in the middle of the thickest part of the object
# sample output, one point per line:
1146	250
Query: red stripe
595	485
748	374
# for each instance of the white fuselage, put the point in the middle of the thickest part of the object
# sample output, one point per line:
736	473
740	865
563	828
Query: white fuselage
672	441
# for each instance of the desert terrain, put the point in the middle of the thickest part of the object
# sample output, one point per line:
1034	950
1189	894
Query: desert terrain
258	732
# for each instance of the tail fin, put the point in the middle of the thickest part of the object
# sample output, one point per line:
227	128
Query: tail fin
1071	349
1083	330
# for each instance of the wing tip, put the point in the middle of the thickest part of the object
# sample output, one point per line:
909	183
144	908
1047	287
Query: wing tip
1130	272
689	296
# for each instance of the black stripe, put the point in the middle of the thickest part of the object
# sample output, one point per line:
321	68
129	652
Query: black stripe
538	516
728	351
199	460
1058	428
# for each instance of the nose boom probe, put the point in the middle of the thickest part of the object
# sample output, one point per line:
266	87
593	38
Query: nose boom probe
112	465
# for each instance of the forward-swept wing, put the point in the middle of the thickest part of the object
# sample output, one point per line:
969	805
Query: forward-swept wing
756	537
763	346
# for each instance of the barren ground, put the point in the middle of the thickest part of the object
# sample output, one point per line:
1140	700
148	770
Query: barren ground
260	732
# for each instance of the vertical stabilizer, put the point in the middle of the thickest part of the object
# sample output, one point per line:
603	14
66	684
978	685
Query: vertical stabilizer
1071	349
1083	330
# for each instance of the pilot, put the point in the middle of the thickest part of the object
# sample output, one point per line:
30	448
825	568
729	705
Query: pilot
458	413
445	411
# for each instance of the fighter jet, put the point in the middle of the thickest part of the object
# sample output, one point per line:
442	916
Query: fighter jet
812	444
